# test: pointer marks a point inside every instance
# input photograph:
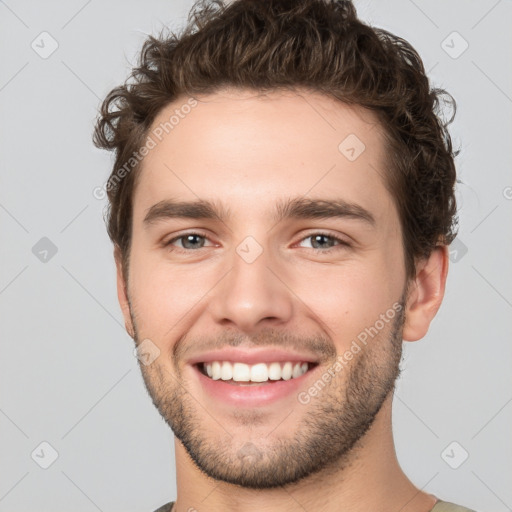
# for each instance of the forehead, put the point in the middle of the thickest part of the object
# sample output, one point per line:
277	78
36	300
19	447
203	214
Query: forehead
249	148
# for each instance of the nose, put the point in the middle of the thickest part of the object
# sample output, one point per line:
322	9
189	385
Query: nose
252	295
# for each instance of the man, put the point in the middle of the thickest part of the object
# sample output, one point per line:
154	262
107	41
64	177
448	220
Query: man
281	204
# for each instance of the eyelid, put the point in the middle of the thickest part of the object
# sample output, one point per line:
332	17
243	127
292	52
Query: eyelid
177	236
342	241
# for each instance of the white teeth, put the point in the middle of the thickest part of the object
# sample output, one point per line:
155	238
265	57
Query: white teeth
215	370
260	372
286	372
241	371
226	371
297	370
274	371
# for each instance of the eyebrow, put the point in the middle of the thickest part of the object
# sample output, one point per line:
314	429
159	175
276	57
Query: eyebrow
296	208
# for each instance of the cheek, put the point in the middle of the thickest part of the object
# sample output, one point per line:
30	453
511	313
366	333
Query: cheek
347	300
163	296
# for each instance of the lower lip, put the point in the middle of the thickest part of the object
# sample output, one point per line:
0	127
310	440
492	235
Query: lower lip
251	395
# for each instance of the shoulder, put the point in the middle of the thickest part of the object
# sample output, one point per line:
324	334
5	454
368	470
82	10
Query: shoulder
167	507
445	506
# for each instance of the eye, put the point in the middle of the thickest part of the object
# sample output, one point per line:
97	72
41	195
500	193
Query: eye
325	242
193	241
187	241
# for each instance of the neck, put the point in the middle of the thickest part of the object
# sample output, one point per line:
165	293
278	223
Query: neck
370	480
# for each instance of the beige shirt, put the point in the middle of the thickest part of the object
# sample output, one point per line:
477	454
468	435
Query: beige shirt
440	506
445	506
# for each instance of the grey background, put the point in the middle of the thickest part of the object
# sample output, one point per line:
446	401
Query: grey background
68	375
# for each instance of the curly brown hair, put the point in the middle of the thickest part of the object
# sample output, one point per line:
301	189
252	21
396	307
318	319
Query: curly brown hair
319	45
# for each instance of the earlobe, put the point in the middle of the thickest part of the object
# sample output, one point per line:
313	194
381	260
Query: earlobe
122	293
425	294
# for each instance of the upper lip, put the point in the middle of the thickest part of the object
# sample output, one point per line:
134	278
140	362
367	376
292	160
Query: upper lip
253	356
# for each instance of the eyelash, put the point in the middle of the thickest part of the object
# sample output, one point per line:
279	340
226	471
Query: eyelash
339	242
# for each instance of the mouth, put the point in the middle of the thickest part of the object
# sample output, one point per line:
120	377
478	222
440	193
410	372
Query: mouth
239	384
242	374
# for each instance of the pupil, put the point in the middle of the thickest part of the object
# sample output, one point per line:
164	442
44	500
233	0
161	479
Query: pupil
318	239
190	240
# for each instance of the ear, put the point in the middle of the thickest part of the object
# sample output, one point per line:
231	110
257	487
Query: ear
122	293
426	293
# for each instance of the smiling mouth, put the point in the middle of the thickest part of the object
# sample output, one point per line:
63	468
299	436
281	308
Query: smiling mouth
242	374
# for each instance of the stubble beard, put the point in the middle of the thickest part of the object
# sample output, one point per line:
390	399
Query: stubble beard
326	438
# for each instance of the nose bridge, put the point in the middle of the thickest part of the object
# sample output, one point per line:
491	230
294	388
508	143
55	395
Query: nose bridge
251	292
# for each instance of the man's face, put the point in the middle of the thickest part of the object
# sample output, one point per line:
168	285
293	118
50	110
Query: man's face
261	283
